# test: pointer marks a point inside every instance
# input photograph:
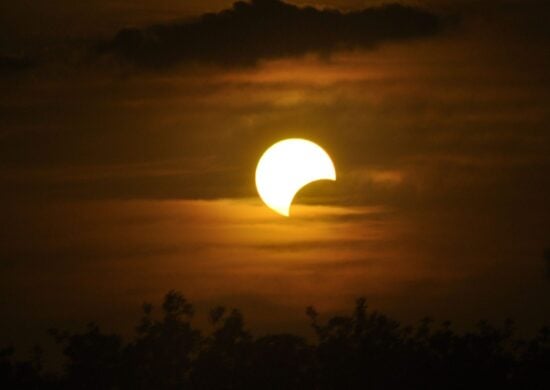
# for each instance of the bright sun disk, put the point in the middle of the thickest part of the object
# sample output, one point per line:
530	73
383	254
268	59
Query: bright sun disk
286	167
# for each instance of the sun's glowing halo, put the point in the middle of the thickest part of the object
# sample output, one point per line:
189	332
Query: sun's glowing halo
288	166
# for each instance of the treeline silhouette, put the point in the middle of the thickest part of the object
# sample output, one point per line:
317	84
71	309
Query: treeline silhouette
365	350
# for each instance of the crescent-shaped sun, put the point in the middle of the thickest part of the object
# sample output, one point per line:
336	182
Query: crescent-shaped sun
286	167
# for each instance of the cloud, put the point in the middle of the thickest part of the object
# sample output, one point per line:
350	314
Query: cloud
547	262
263	29
14	64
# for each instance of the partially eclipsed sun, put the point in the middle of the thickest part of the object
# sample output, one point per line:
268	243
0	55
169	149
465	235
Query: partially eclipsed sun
286	167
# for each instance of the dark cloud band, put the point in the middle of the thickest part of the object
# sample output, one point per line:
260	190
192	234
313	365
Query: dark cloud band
263	29
12	64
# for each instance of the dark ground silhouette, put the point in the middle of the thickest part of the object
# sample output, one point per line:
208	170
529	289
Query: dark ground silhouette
365	350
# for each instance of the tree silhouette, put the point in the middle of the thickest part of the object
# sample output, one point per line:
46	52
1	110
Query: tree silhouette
22	374
161	354
365	349
93	358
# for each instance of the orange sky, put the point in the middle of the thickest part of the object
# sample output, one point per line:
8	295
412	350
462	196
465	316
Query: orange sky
120	184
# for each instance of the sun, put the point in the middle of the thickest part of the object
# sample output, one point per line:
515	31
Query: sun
286	167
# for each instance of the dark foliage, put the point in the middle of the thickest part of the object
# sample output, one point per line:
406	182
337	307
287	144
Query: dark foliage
364	350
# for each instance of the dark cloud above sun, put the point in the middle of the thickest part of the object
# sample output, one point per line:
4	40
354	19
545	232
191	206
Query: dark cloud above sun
266	29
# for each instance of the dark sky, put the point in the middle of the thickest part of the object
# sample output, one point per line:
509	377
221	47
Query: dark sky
130	132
